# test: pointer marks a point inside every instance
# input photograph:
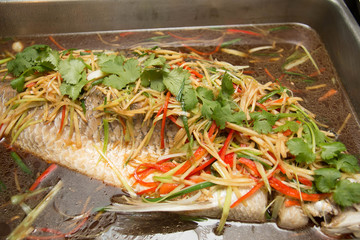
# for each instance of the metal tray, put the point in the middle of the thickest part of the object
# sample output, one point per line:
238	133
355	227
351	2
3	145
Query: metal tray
329	18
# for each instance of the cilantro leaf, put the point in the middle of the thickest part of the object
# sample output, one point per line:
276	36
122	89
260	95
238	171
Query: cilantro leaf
208	108
220	115
301	150
178	83
189	97
224	114
174	80
291	125
71	69
347	193
326	179
111	63
74	90
114	81
220	109
23	61
18	83
130	70
204	93
152	61
263	121
208	104
36	58
331	150
49	59
124	73
262	126
319	137
227	87
347	163
153	78
36	55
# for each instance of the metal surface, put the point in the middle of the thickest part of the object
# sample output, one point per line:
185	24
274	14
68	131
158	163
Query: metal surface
330	18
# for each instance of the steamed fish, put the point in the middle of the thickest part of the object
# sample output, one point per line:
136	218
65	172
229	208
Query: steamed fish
178	132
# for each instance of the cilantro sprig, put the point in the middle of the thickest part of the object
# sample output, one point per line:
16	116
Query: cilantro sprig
36	58
73	72
220	109
122	71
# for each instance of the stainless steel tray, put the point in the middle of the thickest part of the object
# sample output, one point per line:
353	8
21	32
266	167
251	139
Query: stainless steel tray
329	18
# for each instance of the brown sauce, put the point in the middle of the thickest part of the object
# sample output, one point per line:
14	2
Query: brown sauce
81	193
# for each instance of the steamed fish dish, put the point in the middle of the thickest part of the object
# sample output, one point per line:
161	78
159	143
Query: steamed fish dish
181	132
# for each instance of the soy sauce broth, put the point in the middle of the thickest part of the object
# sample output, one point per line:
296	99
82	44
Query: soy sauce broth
81	194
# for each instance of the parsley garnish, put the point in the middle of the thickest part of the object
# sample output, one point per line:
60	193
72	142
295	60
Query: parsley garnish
154	79
326	178
123	72
37	58
74	74
331	150
219	109
177	82
347	163
291	125
301	150
263	121
347	193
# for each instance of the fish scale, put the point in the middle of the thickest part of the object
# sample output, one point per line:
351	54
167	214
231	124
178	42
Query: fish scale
43	140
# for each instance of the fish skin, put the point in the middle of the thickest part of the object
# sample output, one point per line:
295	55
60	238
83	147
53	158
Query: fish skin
250	210
43	141
292	217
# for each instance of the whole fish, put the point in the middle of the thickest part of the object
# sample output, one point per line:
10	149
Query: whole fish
191	136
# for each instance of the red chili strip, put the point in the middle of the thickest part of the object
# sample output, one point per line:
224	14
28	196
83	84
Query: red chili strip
237	88
205	53
197	74
231	30
269	74
183	38
226	144
167	187
288	191
229	159
248	194
248	72
221	153
287	132
305	181
149	190
290	203
140	181
199	153
162	134
328	94
124	34
212	129
30	85
160	111
62	119
174	120
250	164
56	43
201	167
42	176
316	73
261	106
